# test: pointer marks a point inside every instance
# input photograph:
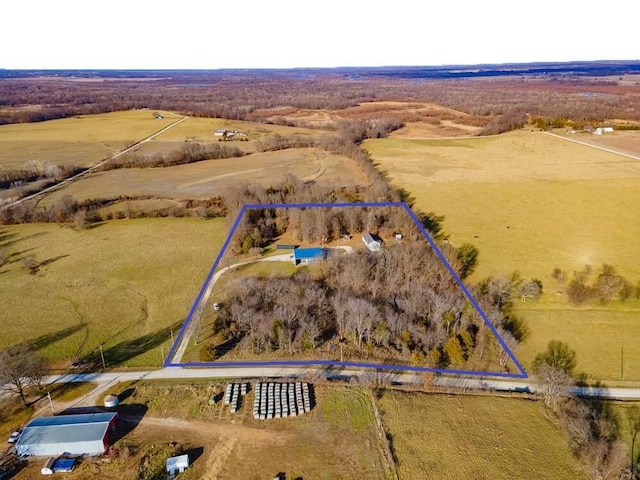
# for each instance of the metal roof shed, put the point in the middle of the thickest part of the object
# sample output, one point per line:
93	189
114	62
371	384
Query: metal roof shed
177	464
84	434
309	255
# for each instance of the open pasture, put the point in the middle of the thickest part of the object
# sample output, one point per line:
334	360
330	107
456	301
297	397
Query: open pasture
82	140
202	130
624	141
528	201
213	177
437	436
605	339
125	284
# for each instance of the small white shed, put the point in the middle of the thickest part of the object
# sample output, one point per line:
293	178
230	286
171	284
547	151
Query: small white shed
177	464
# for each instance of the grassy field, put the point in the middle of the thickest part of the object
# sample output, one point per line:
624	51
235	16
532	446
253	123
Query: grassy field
531	202
125	284
81	140
214	177
436	436
605	340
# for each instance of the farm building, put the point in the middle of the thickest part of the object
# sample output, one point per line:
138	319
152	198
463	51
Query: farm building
309	255
177	464
221	132
601	130
372	242
83	434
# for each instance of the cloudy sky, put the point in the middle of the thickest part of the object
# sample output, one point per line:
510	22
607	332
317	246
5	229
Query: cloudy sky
145	34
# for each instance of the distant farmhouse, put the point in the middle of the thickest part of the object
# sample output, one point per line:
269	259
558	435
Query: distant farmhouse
224	134
372	242
309	255
83	434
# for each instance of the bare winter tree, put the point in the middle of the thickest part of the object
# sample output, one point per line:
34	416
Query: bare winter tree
20	367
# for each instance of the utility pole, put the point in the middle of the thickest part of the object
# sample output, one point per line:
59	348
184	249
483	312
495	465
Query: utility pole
104	365
621	363
53	412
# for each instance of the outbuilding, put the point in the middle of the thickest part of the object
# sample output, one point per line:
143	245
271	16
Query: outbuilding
82	434
309	255
372	242
177	464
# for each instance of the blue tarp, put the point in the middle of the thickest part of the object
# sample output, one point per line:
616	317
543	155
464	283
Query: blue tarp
64	465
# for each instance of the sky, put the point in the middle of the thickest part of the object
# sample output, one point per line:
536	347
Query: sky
211	34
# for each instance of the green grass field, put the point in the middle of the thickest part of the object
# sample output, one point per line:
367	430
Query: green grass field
437	436
81	140
605	340
126	284
531	202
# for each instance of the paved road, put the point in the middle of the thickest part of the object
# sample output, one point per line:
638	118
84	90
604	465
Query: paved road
109	379
91	168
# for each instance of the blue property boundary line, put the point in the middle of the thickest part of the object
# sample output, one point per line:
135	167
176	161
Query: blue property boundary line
167	363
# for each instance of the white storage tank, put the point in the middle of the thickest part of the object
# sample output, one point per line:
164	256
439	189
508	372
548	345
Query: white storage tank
111	401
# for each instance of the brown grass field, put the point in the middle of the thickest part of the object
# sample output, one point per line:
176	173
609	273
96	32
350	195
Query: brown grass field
214	177
128	284
531	202
437	436
626	141
81	140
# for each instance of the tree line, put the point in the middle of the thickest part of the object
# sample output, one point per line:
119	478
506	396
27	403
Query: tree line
606	286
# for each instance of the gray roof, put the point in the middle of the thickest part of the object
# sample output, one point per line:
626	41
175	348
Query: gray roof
75	434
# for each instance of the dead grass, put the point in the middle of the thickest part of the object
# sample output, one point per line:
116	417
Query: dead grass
436	436
126	283
214	177
81	140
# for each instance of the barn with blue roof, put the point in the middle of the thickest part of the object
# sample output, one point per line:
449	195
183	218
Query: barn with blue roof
309	255
83	434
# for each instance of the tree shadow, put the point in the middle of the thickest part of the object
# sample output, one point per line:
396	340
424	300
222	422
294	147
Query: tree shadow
193	453
10	238
6	236
49	338
128	349
49	261
129	417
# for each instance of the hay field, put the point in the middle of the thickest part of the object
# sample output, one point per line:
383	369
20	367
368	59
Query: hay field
626	141
531	202
202	129
437	436
528	201
81	140
125	283
213	177
605	340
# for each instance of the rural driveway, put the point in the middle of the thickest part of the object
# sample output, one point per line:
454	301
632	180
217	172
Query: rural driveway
188	333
